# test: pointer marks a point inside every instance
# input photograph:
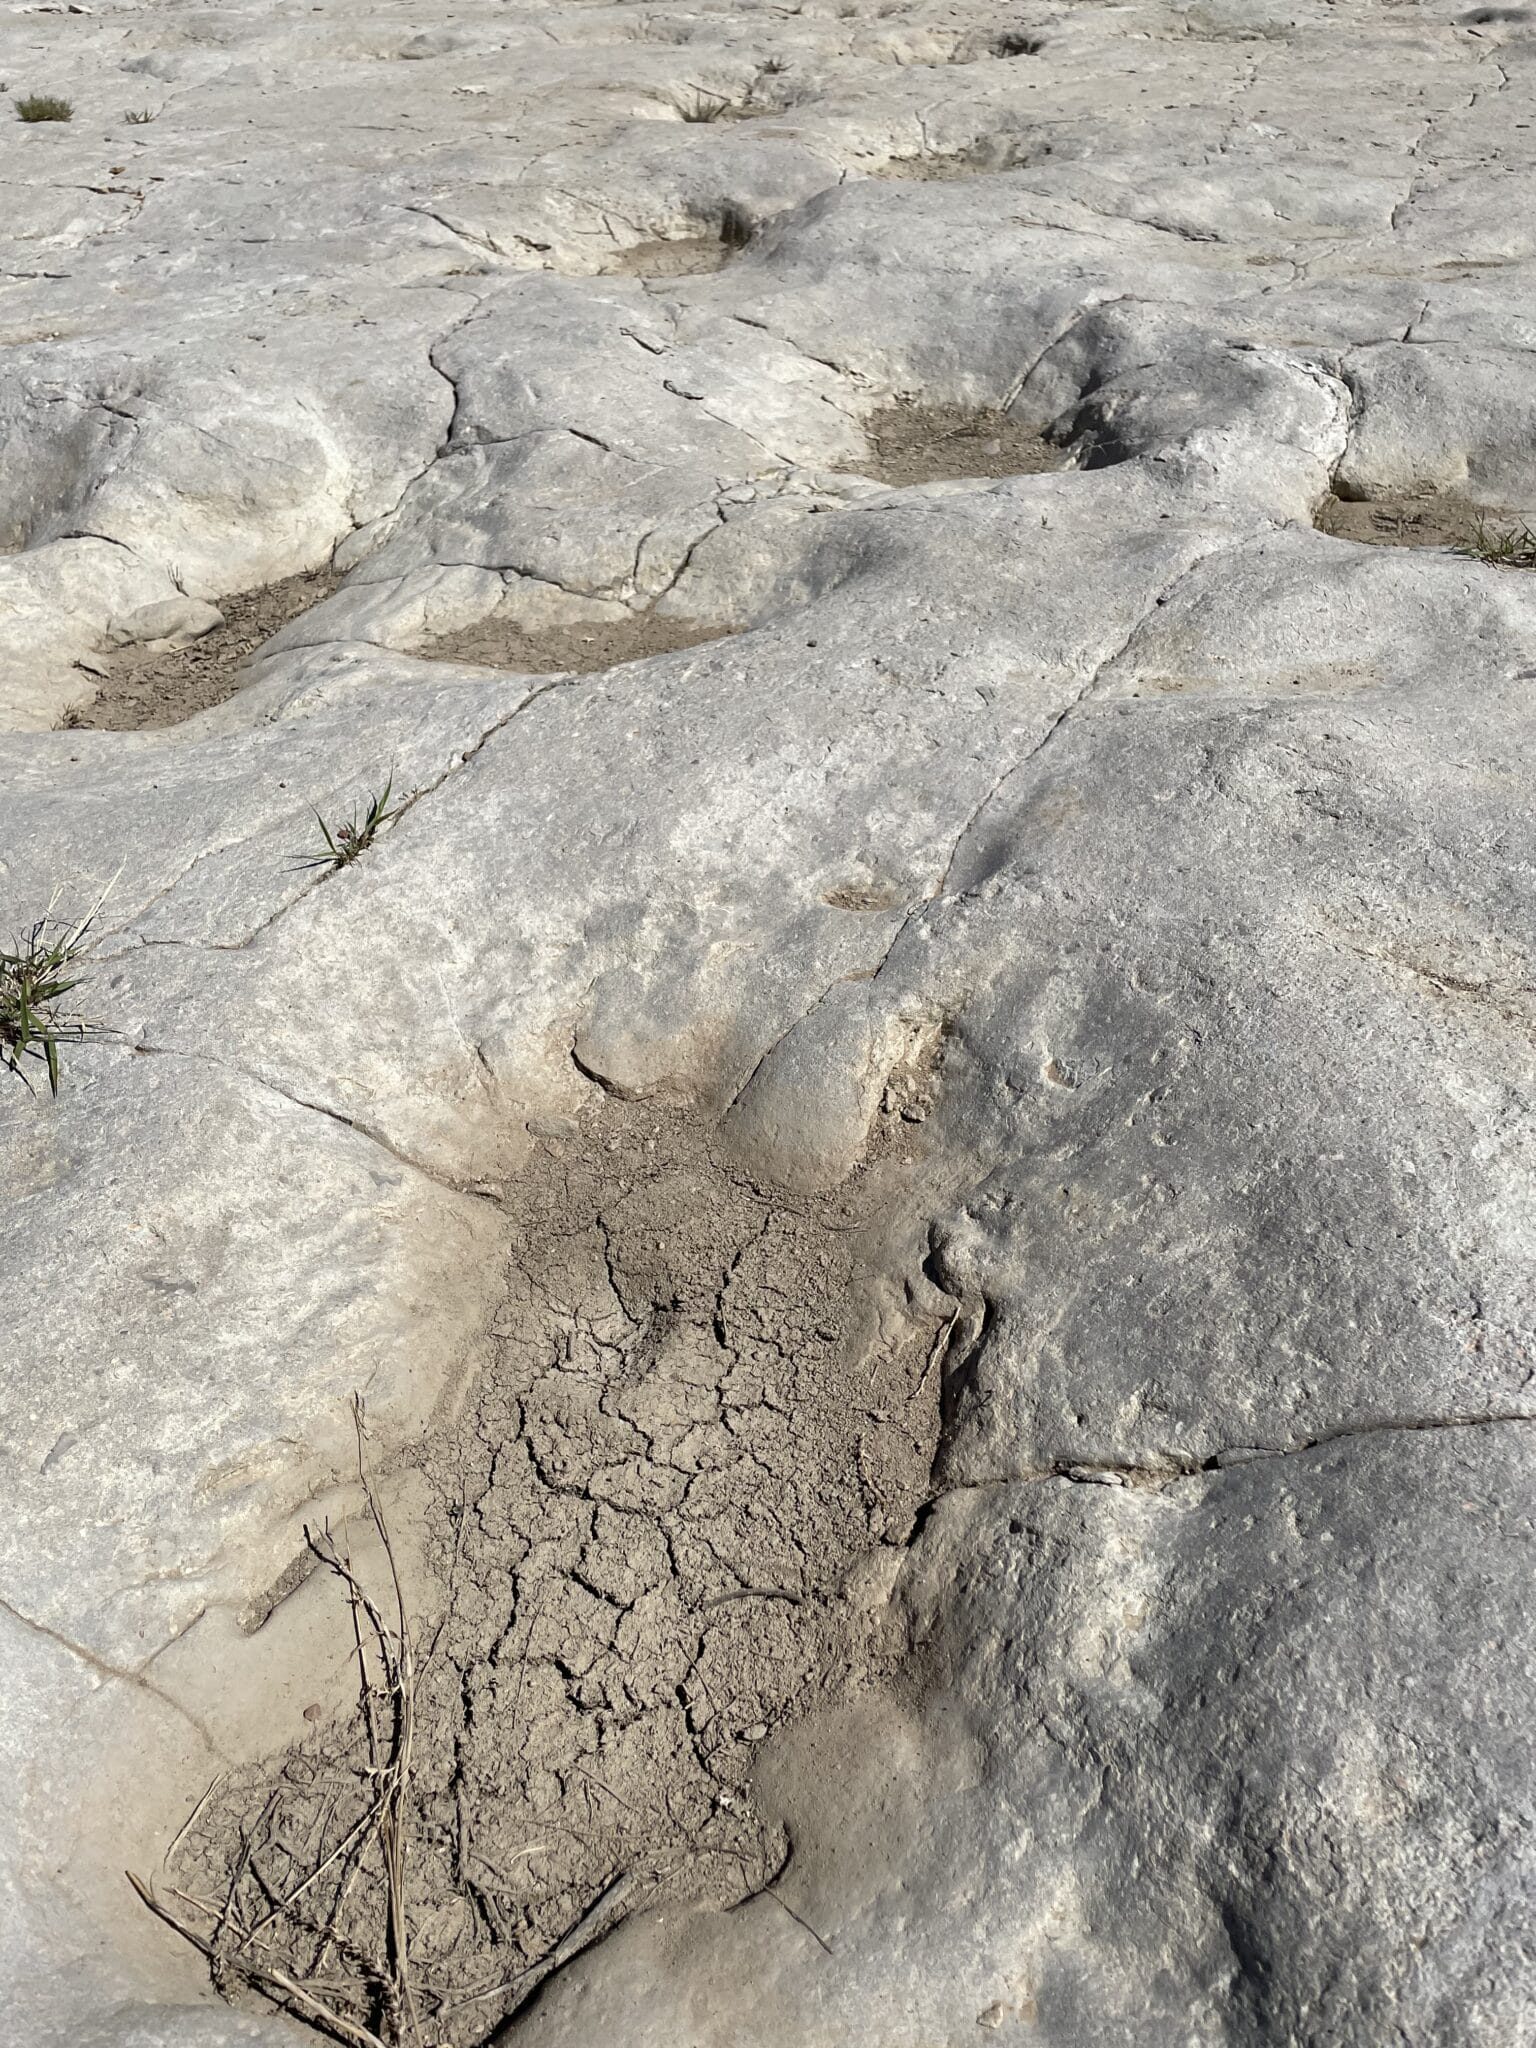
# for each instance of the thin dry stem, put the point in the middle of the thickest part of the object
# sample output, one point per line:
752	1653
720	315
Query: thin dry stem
386	1667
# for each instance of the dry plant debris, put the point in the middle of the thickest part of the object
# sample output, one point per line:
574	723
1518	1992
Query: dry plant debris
639	1535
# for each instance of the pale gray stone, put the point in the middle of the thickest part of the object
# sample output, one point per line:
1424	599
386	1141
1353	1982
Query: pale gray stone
174	622
1182	1772
1168	860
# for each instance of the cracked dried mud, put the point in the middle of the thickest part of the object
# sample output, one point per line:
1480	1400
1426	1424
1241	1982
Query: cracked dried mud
650	1533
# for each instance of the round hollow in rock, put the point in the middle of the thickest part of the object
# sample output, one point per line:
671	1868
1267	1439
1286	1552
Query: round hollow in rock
687	255
143	687
924	444
585	648
1428	520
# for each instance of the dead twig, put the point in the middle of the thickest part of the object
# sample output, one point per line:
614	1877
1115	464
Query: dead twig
594	1921
181	1833
275	1983
386	1664
394	1827
798	1918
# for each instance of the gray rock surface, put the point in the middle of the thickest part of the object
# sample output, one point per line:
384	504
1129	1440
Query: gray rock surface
1163	862
1180	1769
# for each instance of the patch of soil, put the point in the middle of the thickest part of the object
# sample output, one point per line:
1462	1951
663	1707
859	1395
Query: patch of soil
141	688
694	257
580	650
704	1410
864	896
687	255
1402	522
932	169
924	444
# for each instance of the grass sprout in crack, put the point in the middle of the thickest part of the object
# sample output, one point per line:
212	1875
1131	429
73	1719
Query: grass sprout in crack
353	836
37	973
1017	43
705	106
43	106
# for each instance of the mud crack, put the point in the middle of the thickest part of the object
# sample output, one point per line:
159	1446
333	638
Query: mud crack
706	1407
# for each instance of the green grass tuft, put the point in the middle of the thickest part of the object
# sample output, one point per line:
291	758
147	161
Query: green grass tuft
1512	548
354	835
705	106
36	974
139	117
43	106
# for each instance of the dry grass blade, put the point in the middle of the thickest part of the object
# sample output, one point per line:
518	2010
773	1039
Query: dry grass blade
400	1671
234	1938
266	1977
191	1819
354	1835
598	1918
704	106
1512	548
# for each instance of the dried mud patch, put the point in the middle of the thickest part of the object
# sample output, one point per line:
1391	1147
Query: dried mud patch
929	170
690	256
983	159
582	649
706	1411
142	687
924	444
686	255
1440	521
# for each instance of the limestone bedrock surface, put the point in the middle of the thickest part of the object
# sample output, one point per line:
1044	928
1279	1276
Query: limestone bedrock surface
1160	864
